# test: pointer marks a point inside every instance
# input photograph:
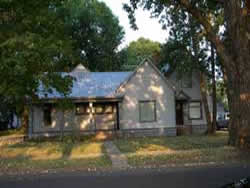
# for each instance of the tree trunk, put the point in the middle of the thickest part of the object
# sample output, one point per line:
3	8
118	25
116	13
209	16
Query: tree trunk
240	111
213	128
62	125
203	88
25	119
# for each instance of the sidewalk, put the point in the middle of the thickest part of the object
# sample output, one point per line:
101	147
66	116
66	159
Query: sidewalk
119	160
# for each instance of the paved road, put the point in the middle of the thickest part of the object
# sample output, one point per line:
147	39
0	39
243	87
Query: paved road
205	177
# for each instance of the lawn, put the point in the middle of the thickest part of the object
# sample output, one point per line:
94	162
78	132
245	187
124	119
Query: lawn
13	132
180	150
44	155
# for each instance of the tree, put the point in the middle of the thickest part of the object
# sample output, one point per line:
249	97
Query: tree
138	50
96	33
6	113
186	53
234	54
33	46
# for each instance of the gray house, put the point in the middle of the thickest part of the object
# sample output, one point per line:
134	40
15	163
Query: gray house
143	102
189	109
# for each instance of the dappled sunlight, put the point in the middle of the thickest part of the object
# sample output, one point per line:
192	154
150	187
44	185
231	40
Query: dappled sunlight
53	125
36	152
84	122
245	96
130	103
141	70
154	148
43	154
157	89
81	150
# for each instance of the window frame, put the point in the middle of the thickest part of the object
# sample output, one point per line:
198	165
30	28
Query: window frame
85	106
201	115
140	113
104	107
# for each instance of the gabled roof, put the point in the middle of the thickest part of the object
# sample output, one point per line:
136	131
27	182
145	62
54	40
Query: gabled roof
98	84
80	68
182	96
156	70
92	84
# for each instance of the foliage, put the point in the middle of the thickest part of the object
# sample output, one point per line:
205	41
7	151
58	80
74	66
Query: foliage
6	113
138	50
33	47
96	33
234	53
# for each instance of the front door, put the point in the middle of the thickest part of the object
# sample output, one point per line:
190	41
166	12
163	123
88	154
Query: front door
179	113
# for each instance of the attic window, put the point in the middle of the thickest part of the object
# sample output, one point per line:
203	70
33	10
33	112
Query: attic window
186	81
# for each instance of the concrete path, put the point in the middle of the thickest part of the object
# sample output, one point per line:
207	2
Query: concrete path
119	161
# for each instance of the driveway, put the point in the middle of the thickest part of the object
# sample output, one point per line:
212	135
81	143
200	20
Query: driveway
191	177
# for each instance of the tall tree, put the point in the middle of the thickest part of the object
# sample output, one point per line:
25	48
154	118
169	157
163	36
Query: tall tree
235	54
96	33
140	49
214	100
33	46
186	52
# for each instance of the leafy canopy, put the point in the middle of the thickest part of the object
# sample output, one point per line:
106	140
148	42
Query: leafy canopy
138	50
96	33
33	46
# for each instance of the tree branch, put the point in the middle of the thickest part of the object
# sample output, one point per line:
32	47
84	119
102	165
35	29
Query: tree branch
211	35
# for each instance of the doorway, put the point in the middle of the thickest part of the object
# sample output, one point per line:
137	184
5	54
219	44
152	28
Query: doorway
179	112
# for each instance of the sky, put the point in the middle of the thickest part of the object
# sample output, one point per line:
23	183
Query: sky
148	27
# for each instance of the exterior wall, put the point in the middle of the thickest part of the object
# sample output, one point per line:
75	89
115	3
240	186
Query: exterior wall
194	93
147	84
70	120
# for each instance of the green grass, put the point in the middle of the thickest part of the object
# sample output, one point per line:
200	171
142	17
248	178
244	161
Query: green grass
34	155
180	150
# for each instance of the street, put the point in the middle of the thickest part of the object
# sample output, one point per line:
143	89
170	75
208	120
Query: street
191	177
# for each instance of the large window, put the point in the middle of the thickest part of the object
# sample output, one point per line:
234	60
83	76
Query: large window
147	110
47	115
195	110
103	108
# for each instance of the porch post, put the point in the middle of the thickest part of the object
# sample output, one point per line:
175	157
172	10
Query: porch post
117	117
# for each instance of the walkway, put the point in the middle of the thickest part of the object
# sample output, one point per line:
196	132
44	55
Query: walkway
119	161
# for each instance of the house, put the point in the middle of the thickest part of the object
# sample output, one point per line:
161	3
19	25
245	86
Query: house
220	108
189	109
140	103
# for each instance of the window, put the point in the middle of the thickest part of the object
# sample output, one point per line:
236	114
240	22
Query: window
99	109
47	116
103	108
186	81
195	110
108	109
147	110
82	108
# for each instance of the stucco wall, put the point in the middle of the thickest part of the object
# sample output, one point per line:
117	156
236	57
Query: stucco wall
147	84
